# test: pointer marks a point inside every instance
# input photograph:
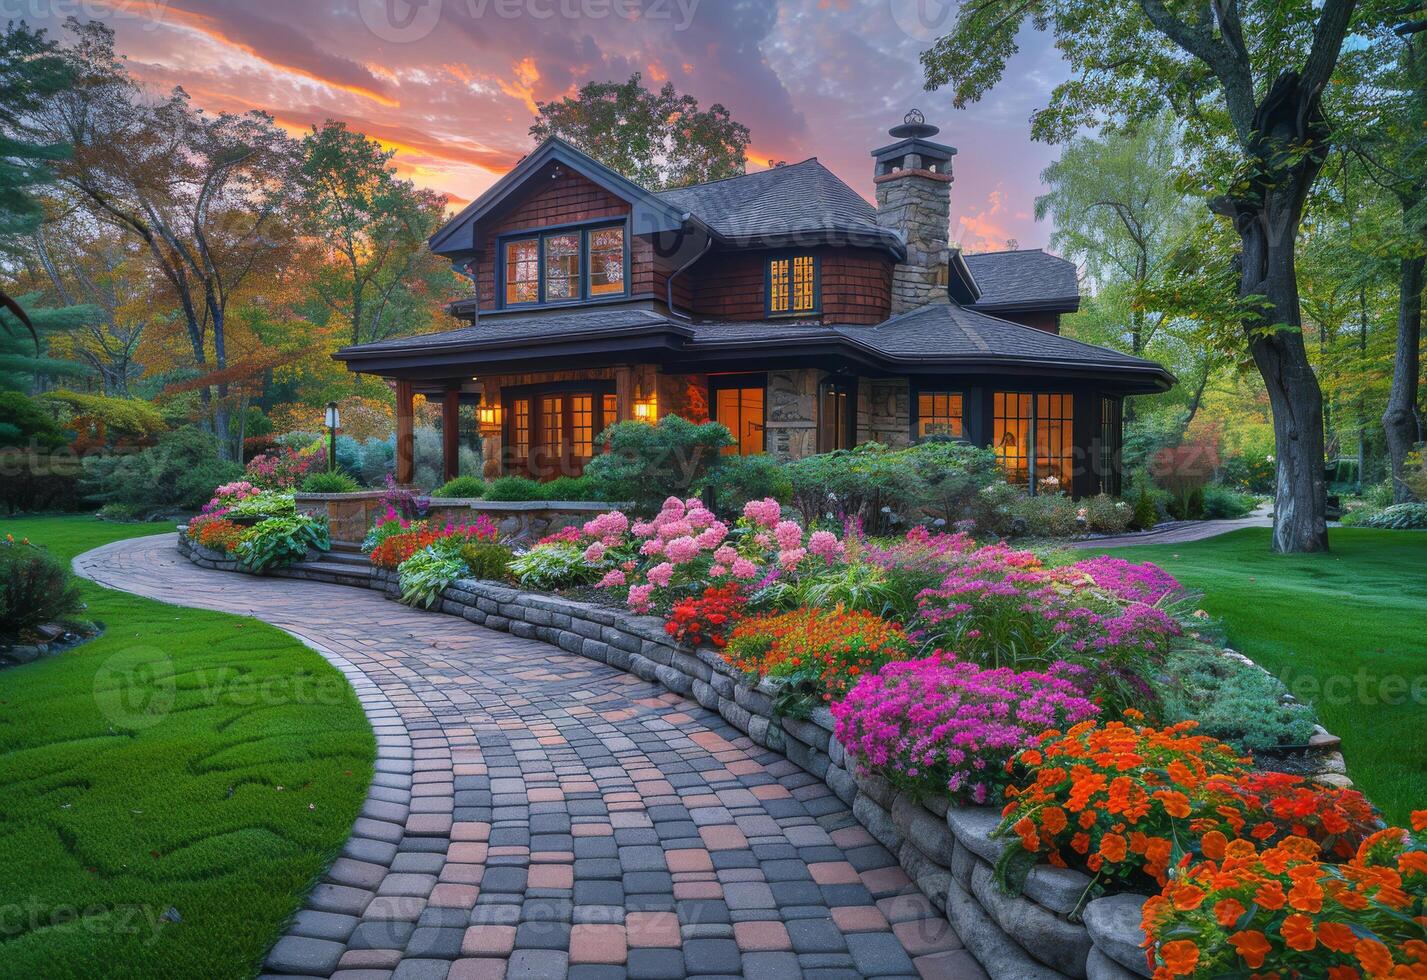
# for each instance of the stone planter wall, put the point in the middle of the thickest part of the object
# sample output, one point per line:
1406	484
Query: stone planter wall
349	515
947	851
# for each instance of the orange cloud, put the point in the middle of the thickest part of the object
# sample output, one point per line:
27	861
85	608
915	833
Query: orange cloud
523	86
985	230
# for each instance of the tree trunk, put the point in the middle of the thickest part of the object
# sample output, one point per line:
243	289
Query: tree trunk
1400	420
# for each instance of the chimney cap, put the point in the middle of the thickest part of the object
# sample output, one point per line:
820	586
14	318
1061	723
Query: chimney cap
914	126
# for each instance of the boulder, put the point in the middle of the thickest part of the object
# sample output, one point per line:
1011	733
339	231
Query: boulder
1114	925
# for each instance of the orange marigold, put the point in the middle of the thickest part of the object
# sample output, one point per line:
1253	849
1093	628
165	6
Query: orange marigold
1297	932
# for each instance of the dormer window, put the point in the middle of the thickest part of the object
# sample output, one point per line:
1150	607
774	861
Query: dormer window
792	285
565	265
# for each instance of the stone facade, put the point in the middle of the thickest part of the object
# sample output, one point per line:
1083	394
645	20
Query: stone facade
792	408
883	411
917	203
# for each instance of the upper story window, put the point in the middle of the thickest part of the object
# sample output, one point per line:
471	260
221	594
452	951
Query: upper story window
792	286
565	265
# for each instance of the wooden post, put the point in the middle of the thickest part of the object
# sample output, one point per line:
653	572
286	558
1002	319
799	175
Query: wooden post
623	394
451	434
405	461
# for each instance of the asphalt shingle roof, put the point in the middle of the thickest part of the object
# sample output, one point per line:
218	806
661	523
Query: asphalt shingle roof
502	331
1024	276
797	199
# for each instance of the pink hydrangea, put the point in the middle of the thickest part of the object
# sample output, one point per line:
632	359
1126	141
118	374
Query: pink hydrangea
744	569
717	571
825	545
681	550
712	536
677	528
725	555
594	554
643	529
661	574
789	535
791	557
764	513
608	526
612	579
654	546
640	597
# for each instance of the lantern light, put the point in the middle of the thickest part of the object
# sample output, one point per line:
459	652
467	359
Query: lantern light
646	409
334	420
489	416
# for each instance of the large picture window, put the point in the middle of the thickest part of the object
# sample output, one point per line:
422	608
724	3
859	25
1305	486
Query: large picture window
792	285
1033	437
564	266
738	403
941	413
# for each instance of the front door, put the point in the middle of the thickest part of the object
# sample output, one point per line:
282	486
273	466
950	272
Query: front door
551	433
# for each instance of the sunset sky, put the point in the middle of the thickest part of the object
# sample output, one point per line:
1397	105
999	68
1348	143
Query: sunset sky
453	84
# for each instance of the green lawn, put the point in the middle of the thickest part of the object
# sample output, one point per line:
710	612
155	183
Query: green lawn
190	761
1346	630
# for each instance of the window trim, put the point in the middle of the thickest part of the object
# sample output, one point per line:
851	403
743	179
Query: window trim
790	254
720	382
583	228
914	415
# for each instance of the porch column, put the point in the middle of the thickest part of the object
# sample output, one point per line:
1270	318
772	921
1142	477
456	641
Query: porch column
405	463
623	394
451	433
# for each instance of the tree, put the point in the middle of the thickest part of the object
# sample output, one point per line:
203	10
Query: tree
31	71
656	139
1248	78
371	228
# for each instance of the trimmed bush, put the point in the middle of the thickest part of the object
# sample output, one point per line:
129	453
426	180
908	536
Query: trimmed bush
954	474
461	486
1221	503
487	560
514	488
35	588
572	488
646	464
881	488
735	480
334	482
180	472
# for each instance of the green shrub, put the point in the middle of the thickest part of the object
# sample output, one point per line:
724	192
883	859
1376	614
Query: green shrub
1106	515
553	566
646	464
333	482
572	488
180	471
426	573
1398	517
882	488
461	486
954	474
735	480
35	588
1046	515
1233	701
1253	472
280	541
26	424
268	503
1221	503
487	560
122	513
1187	504
514	488
1146	513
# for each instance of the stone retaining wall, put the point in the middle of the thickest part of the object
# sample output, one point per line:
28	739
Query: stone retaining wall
947	850
349	515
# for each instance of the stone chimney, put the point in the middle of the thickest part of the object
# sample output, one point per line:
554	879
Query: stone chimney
913	179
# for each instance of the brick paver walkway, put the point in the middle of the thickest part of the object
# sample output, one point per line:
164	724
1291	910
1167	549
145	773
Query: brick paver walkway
536	814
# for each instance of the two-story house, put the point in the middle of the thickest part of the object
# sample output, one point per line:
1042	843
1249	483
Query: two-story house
780	303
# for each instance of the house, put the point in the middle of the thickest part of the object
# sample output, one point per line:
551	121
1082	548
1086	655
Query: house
780	303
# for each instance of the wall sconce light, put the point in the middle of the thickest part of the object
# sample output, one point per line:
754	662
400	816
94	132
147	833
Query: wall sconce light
489	416
646	409
332	420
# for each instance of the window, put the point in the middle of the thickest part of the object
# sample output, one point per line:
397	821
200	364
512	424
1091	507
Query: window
940	413
738	404
607	262
792	286
522	271
1011	434
837	418
582	419
552	426
564	266
1055	439
520	427
1033	437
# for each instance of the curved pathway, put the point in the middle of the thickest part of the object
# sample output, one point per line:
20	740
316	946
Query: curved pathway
536	814
1181	532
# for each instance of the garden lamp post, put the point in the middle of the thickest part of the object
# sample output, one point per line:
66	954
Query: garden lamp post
333	420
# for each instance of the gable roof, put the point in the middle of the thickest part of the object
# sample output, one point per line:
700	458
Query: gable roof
1024	279
648	213
797	203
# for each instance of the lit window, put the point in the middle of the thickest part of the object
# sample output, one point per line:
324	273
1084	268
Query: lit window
562	268
792	285
1033	436
552	425
939	413
522	271
520	427
740	410
582	421
1011	434
1055	440
607	261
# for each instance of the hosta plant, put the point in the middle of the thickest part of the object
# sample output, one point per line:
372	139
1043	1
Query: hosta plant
553	566
426	573
280	541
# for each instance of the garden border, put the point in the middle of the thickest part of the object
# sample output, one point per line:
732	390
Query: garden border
948	851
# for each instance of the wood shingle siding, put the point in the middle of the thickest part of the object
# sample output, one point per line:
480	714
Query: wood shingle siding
855	283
